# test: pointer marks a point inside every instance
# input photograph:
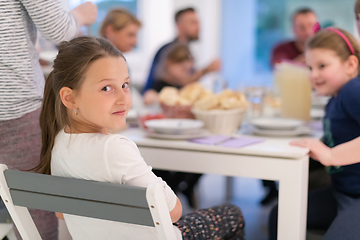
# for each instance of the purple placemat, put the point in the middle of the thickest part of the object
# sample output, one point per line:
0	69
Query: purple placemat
241	142
316	125
226	141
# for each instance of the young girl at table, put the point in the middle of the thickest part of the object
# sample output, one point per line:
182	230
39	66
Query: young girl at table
332	56
86	94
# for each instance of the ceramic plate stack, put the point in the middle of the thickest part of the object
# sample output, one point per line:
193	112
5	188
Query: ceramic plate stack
175	128
279	127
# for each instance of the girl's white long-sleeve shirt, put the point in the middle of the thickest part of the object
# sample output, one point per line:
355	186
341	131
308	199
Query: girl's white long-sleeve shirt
105	158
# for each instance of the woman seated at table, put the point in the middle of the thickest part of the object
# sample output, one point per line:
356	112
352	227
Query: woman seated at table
120	27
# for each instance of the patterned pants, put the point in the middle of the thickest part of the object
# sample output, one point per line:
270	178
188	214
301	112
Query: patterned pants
20	146
220	222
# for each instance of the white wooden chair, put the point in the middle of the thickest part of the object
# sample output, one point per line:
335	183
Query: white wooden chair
109	201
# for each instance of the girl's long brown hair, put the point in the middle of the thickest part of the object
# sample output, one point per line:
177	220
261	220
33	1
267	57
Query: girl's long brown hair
70	66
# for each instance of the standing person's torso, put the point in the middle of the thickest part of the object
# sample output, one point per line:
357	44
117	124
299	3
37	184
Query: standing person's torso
106	158
21	78
342	124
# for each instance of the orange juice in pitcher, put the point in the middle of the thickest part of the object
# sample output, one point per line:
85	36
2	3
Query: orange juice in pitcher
292	80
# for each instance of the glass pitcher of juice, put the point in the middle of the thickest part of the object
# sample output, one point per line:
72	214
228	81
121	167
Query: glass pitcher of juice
292	80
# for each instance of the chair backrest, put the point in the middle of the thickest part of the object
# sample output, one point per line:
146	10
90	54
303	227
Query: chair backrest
109	201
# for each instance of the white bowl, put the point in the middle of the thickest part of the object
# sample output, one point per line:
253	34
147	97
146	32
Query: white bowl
221	121
174	126
277	123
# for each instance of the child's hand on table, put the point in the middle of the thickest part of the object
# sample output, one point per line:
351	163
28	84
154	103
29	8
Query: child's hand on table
318	150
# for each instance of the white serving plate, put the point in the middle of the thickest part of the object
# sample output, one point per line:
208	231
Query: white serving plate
277	123
283	133
201	133
317	113
174	126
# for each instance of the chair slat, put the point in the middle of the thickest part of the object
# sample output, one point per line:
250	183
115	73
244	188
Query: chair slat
86	208
80	188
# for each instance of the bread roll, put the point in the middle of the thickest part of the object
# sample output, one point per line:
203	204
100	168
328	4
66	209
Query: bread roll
169	96
192	92
183	101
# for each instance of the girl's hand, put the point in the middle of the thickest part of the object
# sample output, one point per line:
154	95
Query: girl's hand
318	150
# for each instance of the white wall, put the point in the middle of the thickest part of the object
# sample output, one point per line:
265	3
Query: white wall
157	29
238	43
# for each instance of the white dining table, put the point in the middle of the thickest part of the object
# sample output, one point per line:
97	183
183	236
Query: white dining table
272	159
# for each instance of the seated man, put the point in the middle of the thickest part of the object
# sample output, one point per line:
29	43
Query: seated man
303	23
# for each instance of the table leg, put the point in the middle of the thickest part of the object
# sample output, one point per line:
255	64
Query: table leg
293	192
229	189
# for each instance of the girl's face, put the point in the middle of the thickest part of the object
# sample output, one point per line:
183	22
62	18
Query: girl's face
103	99
328	73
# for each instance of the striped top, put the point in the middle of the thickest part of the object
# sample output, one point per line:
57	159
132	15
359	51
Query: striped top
21	78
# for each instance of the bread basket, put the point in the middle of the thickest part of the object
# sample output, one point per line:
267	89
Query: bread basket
177	111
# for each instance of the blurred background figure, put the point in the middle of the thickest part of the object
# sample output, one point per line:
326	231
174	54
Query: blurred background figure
303	22
120	27
357	14
177	69
188	28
